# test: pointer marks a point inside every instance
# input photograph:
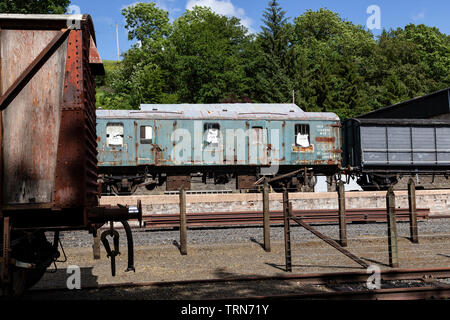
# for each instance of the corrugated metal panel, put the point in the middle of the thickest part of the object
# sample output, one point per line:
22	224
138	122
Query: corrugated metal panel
374	145
247	111
405	145
443	143
399	142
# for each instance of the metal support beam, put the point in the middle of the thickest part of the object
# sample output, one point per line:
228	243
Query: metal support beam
331	242
287	231
183	223
412	211
266	210
392	228
284	176
342	217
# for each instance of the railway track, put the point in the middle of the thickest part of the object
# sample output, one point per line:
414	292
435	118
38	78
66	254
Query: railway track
416	293
245	218
404	284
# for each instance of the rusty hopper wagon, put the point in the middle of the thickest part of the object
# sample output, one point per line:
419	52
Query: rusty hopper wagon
49	157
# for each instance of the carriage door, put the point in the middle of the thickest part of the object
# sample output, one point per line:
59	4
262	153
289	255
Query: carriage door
258	145
119	144
145	142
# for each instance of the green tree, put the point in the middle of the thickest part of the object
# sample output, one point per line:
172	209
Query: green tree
273	55
208	54
147	23
334	64
414	61
33	6
140	77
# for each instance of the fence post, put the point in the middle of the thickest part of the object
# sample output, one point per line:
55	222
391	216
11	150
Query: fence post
266	209
96	245
342	217
412	211
392	228
287	231
183	223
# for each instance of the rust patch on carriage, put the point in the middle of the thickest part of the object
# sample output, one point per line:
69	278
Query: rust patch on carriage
309	149
326	139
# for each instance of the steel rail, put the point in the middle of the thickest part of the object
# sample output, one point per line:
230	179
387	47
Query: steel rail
313	278
415	293
256	217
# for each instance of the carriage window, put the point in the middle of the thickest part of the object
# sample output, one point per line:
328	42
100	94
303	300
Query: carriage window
212	133
302	135
146	135
114	134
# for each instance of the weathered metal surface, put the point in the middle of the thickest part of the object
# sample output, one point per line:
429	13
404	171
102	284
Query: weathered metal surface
95	61
176	182
246	182
31	123
245	111
22	80
182	142
76	175
50	150
217	219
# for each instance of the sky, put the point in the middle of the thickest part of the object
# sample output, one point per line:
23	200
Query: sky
392	14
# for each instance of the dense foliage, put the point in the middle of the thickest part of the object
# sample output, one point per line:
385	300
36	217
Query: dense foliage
33	6
331	64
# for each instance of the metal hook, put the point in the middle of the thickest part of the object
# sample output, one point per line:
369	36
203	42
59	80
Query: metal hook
111	253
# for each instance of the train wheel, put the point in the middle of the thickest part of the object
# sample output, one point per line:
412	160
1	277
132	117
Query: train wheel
377	182
30	248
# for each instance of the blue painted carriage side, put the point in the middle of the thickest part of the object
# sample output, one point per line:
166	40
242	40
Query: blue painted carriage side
280	143
116	156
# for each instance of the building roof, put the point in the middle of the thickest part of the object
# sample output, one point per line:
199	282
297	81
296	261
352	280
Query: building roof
236	111
429	106
19	16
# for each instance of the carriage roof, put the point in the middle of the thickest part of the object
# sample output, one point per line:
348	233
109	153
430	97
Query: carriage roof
237	111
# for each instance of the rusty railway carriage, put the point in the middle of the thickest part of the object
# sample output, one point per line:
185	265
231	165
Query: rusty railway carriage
141	147
170	143
49	148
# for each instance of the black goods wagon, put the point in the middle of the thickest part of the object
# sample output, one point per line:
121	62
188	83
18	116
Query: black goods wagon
49	148
381	150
